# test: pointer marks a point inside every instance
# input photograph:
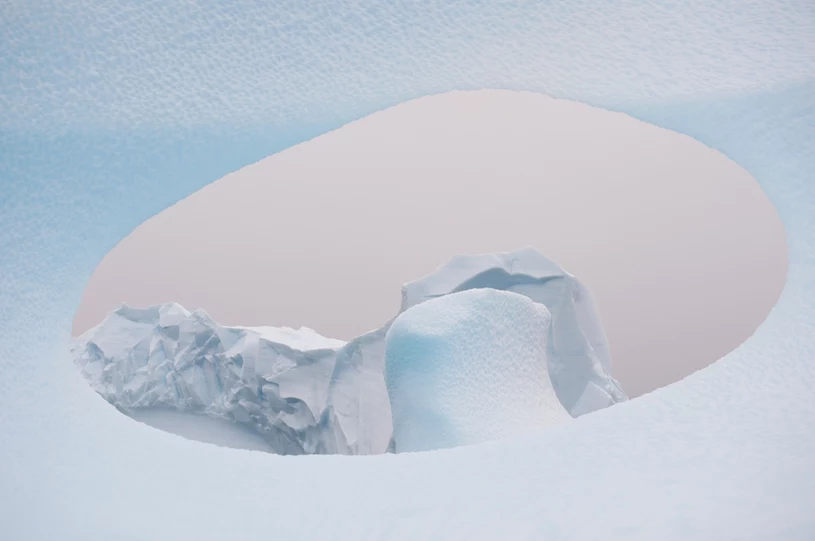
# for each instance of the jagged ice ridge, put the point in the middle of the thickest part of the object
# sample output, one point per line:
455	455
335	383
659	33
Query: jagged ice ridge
307	394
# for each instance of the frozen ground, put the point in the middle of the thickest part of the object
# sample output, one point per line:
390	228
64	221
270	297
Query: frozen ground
85	157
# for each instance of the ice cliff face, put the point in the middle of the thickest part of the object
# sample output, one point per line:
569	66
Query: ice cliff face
274	380
308	394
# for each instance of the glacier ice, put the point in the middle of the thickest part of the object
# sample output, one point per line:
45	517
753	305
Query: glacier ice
307	394
469	367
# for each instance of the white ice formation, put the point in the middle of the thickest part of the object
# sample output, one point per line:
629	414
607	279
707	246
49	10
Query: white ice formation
469	367
578	353
274	380
307	394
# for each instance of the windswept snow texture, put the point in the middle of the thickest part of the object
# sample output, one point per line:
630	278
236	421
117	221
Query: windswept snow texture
469	367
307	394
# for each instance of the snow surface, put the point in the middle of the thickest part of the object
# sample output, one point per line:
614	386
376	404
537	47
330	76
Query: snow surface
725	453
301	339
307	394
470	367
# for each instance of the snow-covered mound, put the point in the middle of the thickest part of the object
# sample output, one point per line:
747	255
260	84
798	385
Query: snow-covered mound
469	367
307	394
578	353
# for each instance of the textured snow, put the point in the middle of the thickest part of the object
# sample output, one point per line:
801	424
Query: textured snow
723	454
301	392
307	394
469	367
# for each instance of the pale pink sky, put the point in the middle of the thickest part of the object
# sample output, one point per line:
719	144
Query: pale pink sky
683	252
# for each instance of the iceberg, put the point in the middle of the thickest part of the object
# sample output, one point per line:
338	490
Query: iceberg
469	367
308	394
578	352
274	380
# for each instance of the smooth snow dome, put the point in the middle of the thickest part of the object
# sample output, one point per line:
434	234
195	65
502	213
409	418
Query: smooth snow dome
467	368
277	383
682	250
